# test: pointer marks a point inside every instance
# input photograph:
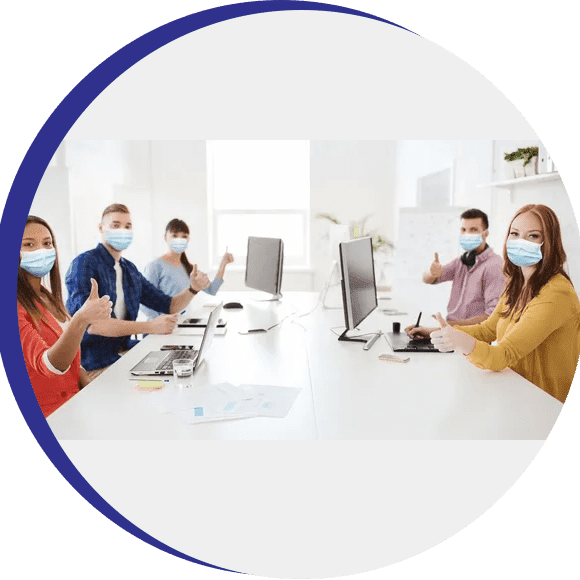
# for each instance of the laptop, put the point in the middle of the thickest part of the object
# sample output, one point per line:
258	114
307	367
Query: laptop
200	323
400	342
160	362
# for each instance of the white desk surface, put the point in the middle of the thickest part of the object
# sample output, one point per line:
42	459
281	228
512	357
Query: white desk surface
346	392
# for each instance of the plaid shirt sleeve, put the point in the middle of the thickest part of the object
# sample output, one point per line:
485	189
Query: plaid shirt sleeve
448	271
78	282
96	351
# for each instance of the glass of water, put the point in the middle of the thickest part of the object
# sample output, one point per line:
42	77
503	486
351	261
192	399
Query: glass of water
183	373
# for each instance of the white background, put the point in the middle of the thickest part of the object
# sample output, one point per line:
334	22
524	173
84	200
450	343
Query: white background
318	509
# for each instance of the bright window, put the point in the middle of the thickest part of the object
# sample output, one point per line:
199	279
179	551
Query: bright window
259	188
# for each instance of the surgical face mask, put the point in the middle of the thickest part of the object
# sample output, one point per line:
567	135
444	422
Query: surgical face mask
178	245
38	263
470	241
119	239
523	252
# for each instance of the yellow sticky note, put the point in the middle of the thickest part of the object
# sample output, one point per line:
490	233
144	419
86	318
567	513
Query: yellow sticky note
149	385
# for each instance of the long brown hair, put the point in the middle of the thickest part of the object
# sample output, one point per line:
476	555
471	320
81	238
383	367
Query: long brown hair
176	226
518	293
25	293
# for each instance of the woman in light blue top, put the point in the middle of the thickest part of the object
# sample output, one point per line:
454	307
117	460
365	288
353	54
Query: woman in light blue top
170	272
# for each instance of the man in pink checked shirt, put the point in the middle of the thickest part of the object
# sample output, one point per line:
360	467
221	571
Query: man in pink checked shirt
476	276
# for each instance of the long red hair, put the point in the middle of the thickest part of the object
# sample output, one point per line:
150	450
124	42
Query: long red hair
518	293
25	293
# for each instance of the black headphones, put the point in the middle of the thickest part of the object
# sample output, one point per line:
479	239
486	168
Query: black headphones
468	258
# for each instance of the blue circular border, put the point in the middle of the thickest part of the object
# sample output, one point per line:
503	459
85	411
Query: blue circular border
22	194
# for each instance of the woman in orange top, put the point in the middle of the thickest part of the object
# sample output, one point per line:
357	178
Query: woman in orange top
537	321
50	337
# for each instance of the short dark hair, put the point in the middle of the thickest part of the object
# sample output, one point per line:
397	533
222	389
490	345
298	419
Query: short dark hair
476	213
115	208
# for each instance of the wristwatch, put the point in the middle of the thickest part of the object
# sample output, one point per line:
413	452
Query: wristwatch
194	292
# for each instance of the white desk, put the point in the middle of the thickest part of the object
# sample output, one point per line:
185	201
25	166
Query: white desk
346	392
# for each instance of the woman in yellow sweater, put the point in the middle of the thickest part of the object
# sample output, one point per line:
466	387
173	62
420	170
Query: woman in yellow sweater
537	321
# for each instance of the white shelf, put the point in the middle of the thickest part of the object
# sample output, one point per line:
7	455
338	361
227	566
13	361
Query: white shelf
540	178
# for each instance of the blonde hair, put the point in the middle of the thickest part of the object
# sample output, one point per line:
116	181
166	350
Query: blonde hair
115	208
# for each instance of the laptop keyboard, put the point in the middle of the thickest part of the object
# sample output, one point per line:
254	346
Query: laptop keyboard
167	362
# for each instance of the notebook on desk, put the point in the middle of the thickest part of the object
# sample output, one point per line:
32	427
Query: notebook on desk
160	362
400	342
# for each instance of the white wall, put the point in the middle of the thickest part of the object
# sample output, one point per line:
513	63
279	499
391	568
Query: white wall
481	163
551	193
179	190
51	203
471	162
350	180
160	180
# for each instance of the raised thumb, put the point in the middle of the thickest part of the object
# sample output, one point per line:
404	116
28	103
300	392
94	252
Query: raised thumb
442	322
94	290
194	271
436	257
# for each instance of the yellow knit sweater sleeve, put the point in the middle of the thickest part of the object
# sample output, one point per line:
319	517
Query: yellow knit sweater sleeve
542	316
486	330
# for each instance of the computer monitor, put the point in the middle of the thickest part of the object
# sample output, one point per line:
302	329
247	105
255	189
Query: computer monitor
336	234
264	264
359	291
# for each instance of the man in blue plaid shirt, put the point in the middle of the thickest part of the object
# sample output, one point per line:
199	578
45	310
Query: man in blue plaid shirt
127	288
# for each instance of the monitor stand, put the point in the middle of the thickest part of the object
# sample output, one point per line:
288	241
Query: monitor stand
344	337
274	298
373	337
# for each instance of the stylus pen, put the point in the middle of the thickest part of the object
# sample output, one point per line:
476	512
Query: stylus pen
418	320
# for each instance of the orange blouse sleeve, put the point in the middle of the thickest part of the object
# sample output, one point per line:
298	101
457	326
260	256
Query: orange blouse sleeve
33	345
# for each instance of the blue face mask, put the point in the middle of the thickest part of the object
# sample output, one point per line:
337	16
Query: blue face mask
523	252
119	239
38	263
470	241
178	245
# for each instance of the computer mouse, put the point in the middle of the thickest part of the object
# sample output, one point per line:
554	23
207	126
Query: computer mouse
233	305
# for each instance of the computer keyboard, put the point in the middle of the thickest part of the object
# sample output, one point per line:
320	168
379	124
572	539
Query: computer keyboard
167	362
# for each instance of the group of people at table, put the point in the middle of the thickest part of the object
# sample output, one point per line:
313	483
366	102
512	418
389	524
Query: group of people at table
518	311
67	346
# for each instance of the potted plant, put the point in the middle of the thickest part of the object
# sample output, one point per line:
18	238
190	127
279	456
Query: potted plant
523	161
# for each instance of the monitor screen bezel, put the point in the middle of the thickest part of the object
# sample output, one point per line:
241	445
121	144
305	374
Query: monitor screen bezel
349	321
277	290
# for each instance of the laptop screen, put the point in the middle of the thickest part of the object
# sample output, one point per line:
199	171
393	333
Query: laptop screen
209	333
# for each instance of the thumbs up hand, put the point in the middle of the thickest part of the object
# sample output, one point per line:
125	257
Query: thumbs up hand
94	290
198	280
94	308
448	339
436	269
440	320
227	259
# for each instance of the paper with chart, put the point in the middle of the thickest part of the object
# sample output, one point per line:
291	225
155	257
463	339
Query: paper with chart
227	401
